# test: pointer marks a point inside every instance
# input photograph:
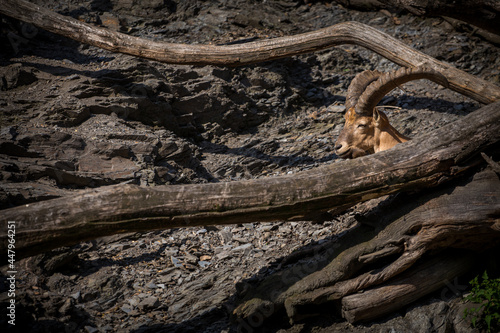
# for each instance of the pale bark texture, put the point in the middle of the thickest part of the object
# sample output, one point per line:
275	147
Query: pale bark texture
390	255
247	53
423	162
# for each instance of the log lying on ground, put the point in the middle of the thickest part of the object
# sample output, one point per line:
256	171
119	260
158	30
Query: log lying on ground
378	260
441	222
247	53
423	162
429	276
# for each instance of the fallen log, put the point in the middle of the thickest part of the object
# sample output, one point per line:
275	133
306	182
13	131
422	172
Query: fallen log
421	280
464	216
423	162
253	52
388	257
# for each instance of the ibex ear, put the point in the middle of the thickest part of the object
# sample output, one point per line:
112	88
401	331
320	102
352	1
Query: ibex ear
376	116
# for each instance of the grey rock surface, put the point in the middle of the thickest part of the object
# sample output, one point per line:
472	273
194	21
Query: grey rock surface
75	117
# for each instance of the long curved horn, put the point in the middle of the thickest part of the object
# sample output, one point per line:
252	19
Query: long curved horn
358	85
388	81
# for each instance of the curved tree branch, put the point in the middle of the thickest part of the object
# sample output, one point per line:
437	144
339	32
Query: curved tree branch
441	222
247	53
422	162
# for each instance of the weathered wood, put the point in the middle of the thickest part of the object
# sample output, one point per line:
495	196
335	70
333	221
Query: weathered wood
463	217
460	216
463	26
408	287
468	217
423	162
247	53
494	165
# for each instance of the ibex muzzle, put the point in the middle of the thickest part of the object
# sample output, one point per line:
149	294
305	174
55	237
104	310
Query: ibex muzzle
366	129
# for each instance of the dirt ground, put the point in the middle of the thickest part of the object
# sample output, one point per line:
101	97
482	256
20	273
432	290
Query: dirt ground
74	117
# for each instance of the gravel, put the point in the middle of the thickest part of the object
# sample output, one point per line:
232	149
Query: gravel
76	117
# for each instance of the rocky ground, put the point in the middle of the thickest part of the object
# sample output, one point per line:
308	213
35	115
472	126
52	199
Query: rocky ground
74	117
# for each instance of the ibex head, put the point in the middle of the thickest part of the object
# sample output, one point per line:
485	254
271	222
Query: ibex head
366	129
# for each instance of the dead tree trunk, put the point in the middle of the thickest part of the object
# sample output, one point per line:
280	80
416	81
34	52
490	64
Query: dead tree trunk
423	162
247	53
389	257
370	261
418	281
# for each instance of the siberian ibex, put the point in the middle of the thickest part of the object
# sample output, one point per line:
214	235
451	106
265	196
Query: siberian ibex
366	129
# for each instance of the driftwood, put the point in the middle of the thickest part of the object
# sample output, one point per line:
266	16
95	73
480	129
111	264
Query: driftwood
423	162
426	277
440	221
389	256
384	258
247	53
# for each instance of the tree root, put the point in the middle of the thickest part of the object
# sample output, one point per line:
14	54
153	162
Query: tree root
379	261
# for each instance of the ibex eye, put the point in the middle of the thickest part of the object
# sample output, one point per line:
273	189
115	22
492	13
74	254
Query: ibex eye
361	125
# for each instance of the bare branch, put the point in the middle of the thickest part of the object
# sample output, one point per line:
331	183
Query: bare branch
258	51
422	162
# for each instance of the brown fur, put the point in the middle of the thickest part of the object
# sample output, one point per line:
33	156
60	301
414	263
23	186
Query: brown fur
363	135
367	130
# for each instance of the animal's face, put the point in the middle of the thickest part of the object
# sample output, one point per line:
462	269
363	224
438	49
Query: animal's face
366	129
358	136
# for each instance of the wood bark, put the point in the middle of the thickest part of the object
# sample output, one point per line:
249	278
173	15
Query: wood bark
423	162
247	53
427	277
381	259
373	261
463	26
